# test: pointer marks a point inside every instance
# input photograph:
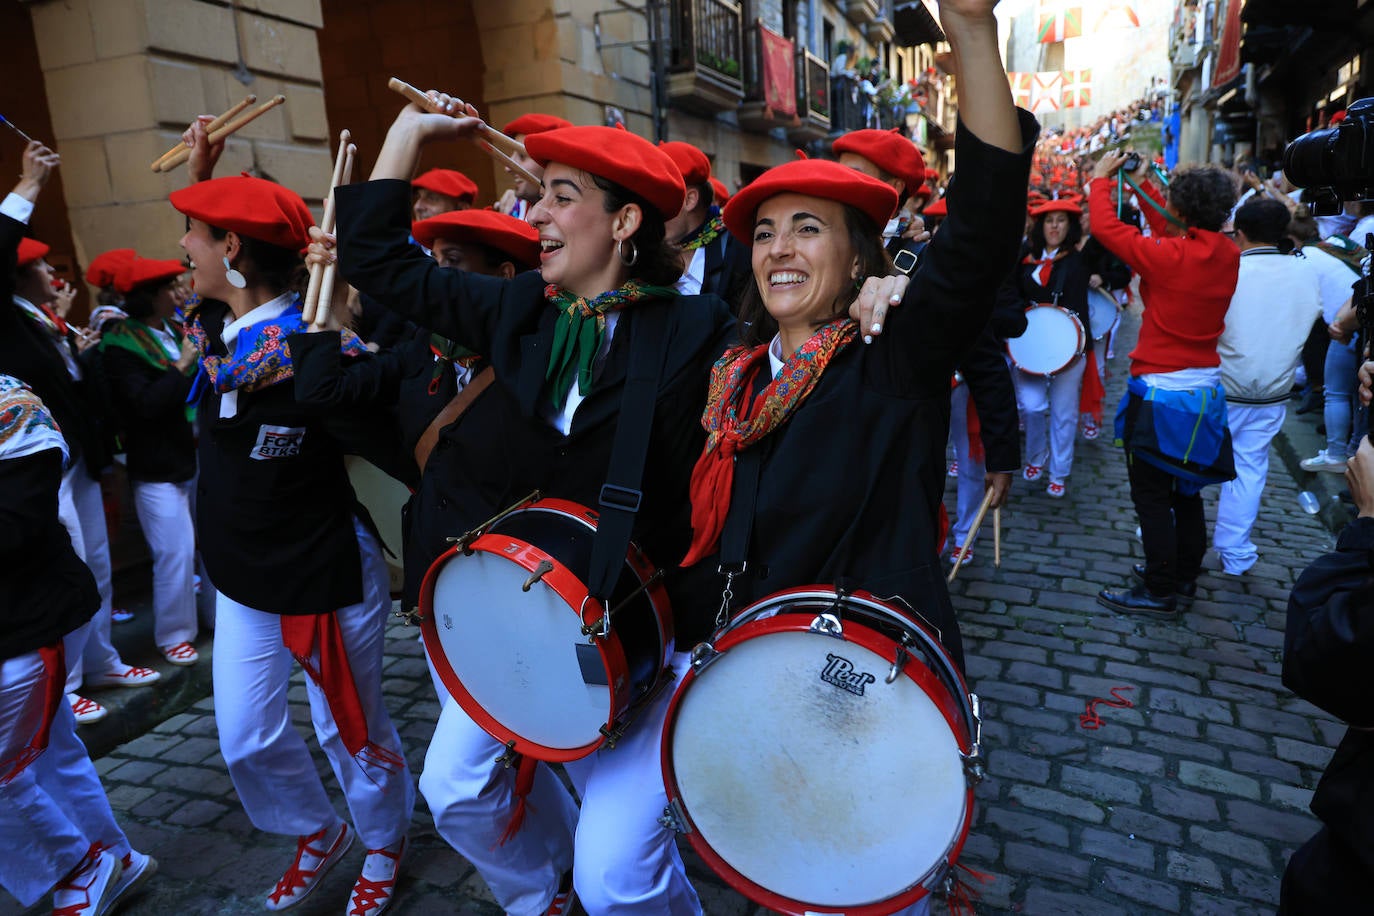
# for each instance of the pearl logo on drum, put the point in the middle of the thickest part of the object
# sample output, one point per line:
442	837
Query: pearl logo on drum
841	672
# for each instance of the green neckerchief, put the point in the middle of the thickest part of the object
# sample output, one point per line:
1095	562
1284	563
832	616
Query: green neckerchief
447	353
580	329
708	232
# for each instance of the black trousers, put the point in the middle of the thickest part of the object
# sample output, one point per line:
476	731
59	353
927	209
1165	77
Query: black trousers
1173	527
1324	876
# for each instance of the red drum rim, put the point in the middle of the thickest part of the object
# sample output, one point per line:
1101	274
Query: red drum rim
573	592
874	642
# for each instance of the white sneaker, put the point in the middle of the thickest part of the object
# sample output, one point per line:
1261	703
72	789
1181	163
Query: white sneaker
1323	462
315	855
87	891
86	711
139	867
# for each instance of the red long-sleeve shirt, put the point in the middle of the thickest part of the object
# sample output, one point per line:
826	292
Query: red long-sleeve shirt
1186	283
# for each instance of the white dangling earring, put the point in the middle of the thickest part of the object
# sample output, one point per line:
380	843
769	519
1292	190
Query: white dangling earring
236	279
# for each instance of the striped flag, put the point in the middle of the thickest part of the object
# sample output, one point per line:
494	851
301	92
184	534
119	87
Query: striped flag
1020	89
1078	88
1057	20
1046	90
1119	14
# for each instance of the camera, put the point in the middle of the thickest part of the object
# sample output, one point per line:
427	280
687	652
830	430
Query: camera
1131	163
1335	164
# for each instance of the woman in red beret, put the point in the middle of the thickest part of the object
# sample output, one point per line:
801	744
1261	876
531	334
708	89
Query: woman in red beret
297	565
1052	270
561	342
148	364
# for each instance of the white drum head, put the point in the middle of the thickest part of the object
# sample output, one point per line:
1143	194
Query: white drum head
517	651
1053	339
809	790
1102	311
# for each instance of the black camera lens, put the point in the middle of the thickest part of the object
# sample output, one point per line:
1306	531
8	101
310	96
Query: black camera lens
1309	161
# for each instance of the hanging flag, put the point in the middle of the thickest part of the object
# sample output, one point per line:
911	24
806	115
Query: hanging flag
1046	89
1078	88
1058	20
1119	14
1020	89
779	77
1228	56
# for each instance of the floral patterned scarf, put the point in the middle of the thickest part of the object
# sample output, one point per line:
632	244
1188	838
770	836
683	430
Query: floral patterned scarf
727	431
708	233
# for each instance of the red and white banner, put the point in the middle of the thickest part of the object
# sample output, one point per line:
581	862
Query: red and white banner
1057	20
1119	14
1020	89
1046	89
1228	55
1078	88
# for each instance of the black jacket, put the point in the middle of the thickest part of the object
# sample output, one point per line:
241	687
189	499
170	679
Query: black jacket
988	377
850	486
28	354
159	443
276	530
1114	272
1069	273
509	449
1328	660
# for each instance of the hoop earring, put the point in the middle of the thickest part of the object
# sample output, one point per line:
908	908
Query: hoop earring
236	279
634	252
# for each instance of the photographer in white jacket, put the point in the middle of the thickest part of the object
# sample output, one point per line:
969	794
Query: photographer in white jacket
1277	298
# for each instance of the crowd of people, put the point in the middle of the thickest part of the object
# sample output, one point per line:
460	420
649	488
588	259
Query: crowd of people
679	365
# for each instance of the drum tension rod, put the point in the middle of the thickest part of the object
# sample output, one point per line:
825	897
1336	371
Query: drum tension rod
899	660
412	616
464	541
601	626
544	568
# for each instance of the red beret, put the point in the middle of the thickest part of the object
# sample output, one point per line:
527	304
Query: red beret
534	123
690	161
253	207
513	237
105	266
1063	205
936	207
925	190
721	191
889	151
815	178
140	271
616	155
448	182
31	250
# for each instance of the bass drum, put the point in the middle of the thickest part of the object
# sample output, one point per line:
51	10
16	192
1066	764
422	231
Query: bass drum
820	755
1053	339
518	642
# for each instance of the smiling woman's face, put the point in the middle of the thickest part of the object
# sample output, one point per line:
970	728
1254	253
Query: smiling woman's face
206	254
802	258
576	234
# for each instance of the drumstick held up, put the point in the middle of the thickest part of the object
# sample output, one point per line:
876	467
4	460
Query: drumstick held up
209	128
15	127
326	298
310	305
973	533
494	143
182	155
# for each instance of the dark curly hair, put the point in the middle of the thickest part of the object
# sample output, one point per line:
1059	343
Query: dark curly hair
1203	196
1263	220
756	326
657	262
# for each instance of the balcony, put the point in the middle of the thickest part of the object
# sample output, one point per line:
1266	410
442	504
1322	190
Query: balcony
883	28
851	108
754	114
813	99
705	56
860	12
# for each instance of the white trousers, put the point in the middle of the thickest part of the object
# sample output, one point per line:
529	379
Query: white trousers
164	514
1049	407
53	811
1253	427
625	861
268	760
81	509
972	474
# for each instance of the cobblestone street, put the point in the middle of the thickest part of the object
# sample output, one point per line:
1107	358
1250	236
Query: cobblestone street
1187	801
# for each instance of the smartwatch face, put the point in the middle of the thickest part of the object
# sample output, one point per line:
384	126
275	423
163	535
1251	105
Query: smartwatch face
905	261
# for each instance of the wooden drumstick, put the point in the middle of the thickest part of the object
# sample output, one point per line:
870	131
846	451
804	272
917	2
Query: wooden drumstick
310	305
325	302
997	537
492	141
973	533
212	126
180	156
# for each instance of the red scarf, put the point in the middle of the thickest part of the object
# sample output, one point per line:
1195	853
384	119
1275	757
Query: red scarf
53	686
1042	270
727	432
301	634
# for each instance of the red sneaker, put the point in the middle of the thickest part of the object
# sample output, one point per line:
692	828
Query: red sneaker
315	855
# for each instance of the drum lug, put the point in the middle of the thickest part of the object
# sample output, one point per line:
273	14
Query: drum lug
827	625
412	617
703	653
973	760
544	568
674	818
613	734
899	661
510	757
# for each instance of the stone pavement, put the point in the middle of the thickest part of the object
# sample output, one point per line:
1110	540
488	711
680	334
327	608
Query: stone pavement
1188	801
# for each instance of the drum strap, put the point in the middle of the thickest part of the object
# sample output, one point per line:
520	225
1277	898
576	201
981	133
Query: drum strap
452	411
621	496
